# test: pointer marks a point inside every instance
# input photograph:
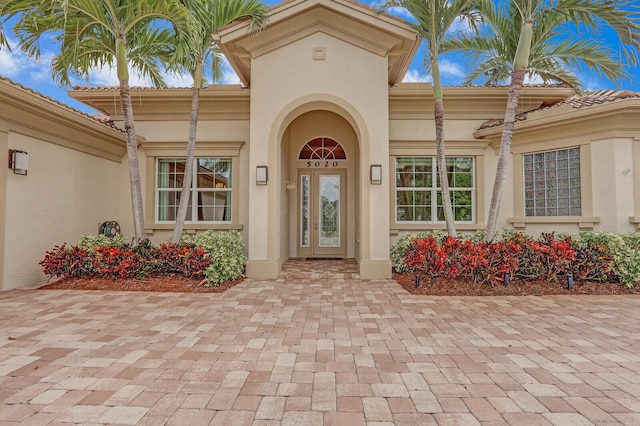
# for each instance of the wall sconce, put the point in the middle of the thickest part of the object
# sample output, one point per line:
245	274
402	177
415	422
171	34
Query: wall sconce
19	161
375	174
262	175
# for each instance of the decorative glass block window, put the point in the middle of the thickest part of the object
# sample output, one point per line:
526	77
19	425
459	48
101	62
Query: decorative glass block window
418	196
322	149
210	196
552	183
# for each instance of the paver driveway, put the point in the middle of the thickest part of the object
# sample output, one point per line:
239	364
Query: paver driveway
343	352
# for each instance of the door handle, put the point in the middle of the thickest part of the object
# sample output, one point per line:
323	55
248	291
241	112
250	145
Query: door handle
315	224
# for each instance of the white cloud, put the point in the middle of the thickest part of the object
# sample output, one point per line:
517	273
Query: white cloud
229	76
400	12
536	79
460	26
452	69
9	63
413	76
177	80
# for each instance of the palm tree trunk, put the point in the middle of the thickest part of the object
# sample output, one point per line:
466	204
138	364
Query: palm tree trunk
520	64
517	80
132	154
438	113
191	147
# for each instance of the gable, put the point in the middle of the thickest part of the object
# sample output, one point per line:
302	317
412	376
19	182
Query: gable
352	22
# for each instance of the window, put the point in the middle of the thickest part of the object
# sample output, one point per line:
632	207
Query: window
322	149
210	197
418	197
552	183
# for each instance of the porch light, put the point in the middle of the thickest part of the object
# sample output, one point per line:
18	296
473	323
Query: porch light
19	161
262	175
376	174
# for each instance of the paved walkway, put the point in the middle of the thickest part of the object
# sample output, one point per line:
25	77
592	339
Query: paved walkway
334	352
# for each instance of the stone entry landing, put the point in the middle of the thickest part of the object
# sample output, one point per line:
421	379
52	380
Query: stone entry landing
301	270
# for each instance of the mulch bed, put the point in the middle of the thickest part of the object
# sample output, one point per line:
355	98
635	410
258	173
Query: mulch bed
161	283
433	287
444	287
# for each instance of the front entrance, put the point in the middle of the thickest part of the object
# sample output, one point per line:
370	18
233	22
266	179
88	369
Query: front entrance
322	213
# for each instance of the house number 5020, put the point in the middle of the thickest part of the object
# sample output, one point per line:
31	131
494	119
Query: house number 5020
322	164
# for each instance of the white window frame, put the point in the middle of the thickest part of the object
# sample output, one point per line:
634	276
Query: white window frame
194	191
434	190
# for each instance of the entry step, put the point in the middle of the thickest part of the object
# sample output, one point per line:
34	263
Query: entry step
319	269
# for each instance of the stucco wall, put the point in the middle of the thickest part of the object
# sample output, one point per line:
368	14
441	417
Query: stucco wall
287	80
174	135
613	184
65	194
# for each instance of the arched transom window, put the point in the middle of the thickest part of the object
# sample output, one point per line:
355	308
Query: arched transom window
322	149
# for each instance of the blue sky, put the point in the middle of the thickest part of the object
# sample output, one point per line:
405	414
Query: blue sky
37	75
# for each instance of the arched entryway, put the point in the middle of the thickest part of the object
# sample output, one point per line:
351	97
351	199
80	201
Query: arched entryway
319	156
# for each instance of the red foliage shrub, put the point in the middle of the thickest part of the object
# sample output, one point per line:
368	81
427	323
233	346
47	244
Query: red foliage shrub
126	261
118	262
183	259
67	262
523	257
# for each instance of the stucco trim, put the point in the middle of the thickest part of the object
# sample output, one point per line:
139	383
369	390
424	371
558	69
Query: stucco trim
585	223
292	20
263	269
154	150
4	146
29	114
414	101
374	269
636	182
217	102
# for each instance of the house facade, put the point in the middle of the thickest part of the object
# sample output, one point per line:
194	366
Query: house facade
323	152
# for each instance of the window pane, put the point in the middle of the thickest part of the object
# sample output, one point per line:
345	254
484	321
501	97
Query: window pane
420	173
555	178
170	173
214	173
210	199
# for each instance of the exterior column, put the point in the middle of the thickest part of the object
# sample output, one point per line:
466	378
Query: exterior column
4	147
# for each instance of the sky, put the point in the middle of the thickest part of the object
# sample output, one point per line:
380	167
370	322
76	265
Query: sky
36	75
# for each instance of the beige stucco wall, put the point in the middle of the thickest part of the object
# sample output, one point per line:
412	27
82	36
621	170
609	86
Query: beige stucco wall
173	135
65	194
288	82
613	190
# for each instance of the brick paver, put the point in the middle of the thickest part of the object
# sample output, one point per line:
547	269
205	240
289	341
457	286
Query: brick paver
317	347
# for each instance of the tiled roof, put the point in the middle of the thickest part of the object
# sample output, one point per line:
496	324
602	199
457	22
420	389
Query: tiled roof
108	88
65	106
576	102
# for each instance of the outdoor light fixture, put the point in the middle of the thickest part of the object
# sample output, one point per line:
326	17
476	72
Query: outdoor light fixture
19	161
262	175
376	174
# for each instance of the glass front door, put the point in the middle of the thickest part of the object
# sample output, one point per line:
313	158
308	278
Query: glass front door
322	213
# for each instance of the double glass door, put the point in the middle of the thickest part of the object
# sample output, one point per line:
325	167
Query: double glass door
322	213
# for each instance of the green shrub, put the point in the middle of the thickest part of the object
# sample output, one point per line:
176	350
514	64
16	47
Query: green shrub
226	254
401	247
89	241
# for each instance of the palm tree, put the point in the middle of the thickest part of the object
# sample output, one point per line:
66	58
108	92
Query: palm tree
8	10
97	33
435	18
524	41
553	58
193	50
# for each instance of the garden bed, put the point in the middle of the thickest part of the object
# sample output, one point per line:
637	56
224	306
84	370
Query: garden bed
159	283
444	287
